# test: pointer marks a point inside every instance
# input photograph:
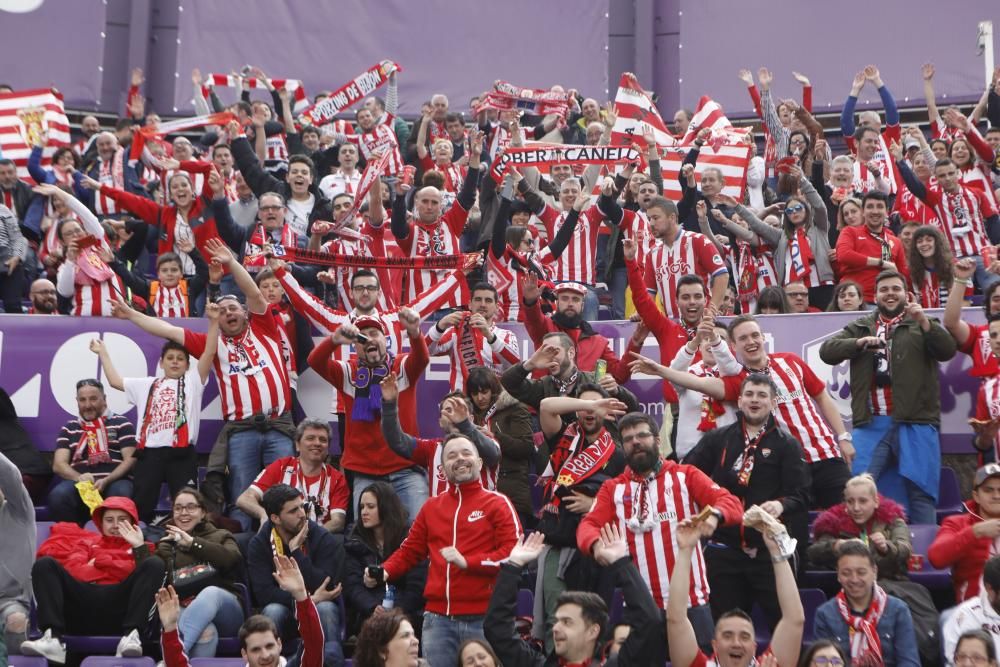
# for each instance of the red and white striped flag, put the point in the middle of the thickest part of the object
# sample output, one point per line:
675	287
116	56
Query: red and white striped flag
637	113
731	159
709	114
24	112
299	100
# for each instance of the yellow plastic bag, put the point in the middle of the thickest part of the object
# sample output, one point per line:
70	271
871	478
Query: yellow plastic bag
89	494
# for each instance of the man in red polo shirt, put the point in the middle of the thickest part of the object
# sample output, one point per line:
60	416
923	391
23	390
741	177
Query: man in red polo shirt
367	457
865	251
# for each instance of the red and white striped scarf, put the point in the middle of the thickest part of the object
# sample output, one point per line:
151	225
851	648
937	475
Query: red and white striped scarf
866	646
112	172
800	257
253	258
300	102
93	441
182	437
470	346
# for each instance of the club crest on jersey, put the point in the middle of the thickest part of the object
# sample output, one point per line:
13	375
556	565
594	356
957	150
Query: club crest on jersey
765	452
439	473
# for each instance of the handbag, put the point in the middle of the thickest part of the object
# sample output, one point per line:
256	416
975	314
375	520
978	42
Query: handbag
192	579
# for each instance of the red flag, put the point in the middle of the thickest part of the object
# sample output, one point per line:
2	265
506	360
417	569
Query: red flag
637	113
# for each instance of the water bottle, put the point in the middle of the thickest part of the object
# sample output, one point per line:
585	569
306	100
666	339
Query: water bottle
389	601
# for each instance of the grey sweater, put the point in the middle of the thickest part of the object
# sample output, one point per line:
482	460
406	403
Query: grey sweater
17	526
12	241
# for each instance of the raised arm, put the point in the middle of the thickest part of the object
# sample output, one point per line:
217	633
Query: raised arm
680	633
786	642
710	386
552	409
927	71
399	441
151	325
207	359
770	234
256	303
847	113
111	373
964	269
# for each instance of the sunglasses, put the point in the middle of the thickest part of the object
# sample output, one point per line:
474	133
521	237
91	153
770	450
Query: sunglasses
89	383
794	208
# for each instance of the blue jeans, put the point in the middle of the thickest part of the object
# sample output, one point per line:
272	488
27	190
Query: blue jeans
410	486
329	618
617	285
983	277
921	508
214	613
442	635
250	452
65	503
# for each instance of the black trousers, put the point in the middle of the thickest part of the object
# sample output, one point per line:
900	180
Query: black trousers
68	606
738	581
828	480
177	467
12	289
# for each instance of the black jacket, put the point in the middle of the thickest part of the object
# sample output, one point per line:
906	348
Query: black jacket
409	587
321	556
641	614
779	473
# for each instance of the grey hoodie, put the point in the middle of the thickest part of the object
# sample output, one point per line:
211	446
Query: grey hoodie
17	525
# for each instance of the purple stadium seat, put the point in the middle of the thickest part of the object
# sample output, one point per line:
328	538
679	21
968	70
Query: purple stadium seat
42	530
92	646
811	598
27	661
931	577
617	609
111	661
949	495
525	602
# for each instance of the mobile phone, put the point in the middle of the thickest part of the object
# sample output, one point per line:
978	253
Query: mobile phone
376	572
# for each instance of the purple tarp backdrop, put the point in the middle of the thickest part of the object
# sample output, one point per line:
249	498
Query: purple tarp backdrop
829	43
458	49
57	44
42	358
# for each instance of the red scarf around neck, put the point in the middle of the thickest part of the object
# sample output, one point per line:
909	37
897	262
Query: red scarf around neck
799	270
866	646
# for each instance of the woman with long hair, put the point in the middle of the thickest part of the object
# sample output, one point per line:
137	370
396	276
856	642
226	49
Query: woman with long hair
510	423
801	246
388	640
382	524
847	297
211	608
930	261
477	653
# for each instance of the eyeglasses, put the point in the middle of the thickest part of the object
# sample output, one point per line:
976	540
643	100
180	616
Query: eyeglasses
637	436
828	662
90	382
270	208
794	208
365	288
186	509
974	659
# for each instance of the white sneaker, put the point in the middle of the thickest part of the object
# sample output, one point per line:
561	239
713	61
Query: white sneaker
130	646
47	647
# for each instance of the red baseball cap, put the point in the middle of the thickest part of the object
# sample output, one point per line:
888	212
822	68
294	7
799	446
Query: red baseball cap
371	322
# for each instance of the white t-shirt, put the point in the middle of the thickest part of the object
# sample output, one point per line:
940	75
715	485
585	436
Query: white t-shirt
162	413
298	215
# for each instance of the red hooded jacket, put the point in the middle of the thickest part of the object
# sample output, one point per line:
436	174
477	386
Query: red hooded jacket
91	557
958	548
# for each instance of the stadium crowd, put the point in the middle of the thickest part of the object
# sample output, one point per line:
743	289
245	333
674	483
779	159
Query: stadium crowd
551	521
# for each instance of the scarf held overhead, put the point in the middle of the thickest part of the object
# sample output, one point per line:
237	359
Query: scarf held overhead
546	155
300	256
353	91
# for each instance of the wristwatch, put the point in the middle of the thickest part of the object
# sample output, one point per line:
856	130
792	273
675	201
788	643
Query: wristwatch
846	435
718	515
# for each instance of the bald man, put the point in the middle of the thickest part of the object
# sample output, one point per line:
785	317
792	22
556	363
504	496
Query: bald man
44	300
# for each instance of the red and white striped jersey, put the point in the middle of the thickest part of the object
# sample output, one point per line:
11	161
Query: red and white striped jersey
988	407
427	454
863	179
961	216
506	273
974	177
635	227
454	174
977	346
690	252
337	183
94	299
372	245
427	240
498	356
797	412
380	137
276	152
249	369
169	301
910	207
672	498
325	494
109	173
578	262
946	132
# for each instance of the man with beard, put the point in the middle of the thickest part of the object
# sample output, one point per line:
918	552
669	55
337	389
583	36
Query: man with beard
761	465
557	356
367	456
981	612
896	395
472	339
466	532
44	299
870	626
319	555
109	167
805	408
864	252
651	498
583	453
251	374
569	318
733	639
